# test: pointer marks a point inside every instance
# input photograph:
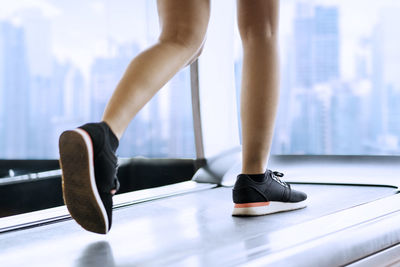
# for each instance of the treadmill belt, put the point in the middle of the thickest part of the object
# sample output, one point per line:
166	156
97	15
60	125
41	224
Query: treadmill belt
193	229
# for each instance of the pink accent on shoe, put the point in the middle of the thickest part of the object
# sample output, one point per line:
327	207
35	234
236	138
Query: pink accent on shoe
254	204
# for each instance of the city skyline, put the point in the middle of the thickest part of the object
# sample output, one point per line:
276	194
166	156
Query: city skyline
324	108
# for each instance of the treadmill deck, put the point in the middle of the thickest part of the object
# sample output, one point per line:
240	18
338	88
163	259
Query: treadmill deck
192	229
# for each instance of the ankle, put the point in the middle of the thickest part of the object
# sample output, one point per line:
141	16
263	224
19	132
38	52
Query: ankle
253	169
257	177
110	135
113	128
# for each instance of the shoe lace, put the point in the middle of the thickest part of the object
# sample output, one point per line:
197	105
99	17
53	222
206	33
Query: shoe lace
277	175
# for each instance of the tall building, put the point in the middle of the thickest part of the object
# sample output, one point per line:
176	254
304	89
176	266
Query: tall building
281	143
14	91
316	42
39	122
325	65
303	31
38	35
316	65
347	120
385	118
180	119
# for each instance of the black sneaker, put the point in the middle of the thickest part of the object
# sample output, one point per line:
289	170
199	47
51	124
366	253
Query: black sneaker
89	173
272	195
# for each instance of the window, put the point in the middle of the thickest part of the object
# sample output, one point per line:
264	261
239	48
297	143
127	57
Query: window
340	80
60	62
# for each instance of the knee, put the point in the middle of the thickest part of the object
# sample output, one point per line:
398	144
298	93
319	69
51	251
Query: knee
189	39
196	54
258	32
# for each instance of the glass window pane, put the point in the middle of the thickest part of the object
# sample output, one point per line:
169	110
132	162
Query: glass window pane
340	81
59	63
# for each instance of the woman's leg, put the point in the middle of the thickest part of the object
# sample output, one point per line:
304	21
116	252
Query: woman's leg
87	154
184	24
258	191
258	27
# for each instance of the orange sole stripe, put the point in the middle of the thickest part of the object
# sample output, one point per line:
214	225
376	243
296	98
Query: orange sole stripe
254	204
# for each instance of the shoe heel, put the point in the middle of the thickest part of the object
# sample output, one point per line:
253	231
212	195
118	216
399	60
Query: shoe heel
264	208
250	209
247	195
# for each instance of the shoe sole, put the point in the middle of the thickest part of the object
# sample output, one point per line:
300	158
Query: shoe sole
264	208
78	182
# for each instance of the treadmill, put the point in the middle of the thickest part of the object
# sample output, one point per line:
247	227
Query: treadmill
352	217
189	223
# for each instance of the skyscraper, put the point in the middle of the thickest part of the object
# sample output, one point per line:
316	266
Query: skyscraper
14	87
316	64
385	118
302	43
316	42
325	45
181	134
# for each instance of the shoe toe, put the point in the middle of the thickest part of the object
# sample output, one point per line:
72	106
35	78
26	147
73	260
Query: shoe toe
297	196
